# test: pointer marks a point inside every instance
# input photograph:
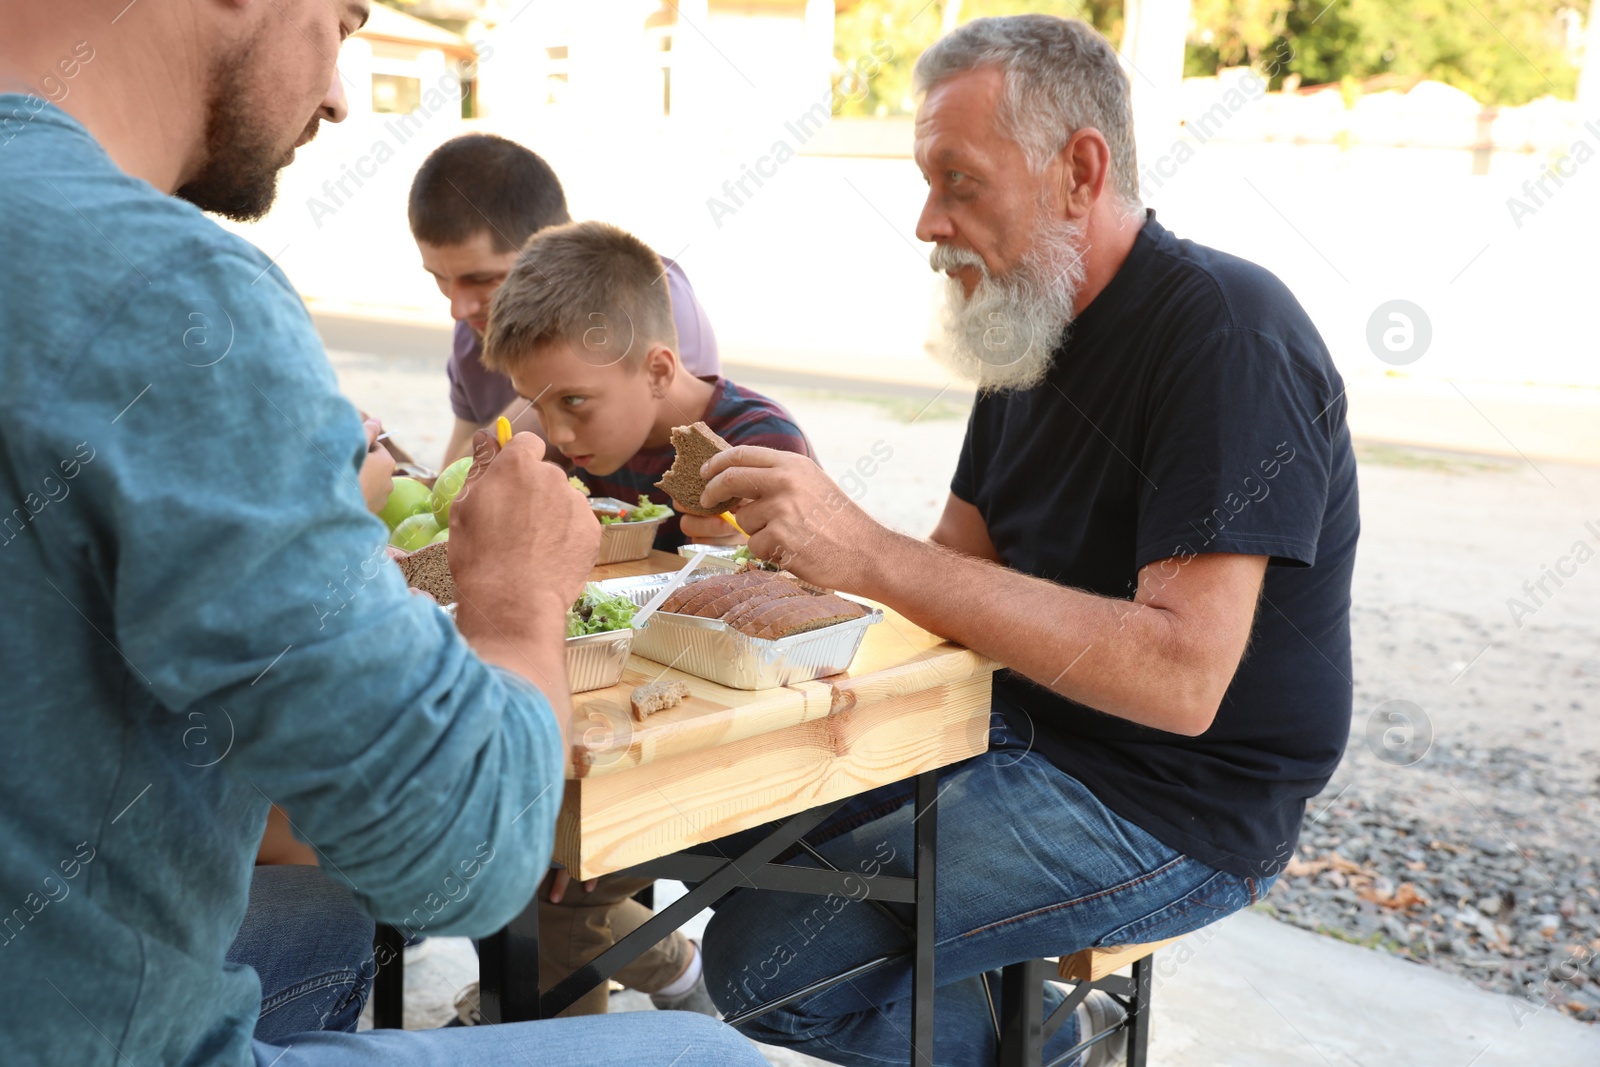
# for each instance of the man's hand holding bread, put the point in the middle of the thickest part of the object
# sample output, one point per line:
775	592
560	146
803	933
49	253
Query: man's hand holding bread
795	514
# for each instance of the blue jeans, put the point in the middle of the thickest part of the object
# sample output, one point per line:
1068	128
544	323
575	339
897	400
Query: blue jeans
1030	865
312	949
635	1038
310	946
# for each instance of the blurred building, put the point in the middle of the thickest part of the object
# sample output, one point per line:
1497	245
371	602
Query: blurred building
629	62
392	64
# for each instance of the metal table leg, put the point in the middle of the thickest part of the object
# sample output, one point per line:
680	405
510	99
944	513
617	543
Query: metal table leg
730	875
509	960
508	969
926	823
388	979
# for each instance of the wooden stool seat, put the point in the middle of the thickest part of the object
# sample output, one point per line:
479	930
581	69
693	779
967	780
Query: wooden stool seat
1093	964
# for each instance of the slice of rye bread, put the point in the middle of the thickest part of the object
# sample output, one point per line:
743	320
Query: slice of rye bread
774	590
736	615
711	589
695	444
695	589
758	622
775	621
428	569
701	605
810	614
795	627
652	697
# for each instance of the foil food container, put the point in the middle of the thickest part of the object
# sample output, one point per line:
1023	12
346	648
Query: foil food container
594	661
623	542
711	649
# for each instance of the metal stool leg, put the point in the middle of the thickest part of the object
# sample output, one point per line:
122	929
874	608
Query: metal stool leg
1139	1012
389	979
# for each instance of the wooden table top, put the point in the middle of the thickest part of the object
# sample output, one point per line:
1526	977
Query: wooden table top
896	658
727	760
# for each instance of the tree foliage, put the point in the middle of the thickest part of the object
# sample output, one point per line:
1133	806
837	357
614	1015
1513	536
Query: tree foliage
1501	51
908	27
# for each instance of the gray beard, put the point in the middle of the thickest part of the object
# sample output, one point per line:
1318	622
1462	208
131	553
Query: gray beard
1004	336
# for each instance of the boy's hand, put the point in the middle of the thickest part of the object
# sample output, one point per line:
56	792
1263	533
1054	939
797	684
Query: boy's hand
560	878
709	530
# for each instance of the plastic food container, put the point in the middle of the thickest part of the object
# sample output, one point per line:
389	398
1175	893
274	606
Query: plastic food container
710	649
718	557
622	542
594	661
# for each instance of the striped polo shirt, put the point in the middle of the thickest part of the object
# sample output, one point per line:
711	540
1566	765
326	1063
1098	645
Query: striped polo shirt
742	416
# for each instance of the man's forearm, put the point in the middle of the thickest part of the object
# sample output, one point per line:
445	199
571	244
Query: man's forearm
536	650
1118	656
460	445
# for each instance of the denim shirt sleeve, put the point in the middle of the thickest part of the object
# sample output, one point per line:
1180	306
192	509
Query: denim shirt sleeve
248	583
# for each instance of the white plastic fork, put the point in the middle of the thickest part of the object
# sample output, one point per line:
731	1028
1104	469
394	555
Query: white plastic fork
642	616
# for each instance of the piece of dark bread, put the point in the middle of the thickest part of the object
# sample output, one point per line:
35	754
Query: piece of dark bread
695	444
652	697
428	569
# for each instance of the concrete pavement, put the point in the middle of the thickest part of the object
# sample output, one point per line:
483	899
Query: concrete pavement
1260	993
1527	422
1250	992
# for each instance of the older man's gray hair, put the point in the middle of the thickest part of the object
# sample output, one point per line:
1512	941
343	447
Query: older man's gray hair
1061	76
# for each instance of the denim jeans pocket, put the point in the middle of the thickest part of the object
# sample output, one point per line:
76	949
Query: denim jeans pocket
1218	896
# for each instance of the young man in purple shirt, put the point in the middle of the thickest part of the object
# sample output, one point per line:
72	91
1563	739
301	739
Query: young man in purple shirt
474	202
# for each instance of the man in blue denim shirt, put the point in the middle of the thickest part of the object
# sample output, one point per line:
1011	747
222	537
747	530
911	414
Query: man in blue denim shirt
200	618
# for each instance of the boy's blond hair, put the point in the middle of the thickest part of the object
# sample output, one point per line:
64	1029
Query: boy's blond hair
590	284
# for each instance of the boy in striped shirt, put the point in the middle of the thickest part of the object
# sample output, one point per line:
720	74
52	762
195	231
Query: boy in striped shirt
583	327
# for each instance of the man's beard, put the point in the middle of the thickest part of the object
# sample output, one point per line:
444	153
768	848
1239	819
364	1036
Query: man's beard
239	179
1004	335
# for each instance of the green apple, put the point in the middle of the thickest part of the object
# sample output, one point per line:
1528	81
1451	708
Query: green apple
447	486
414	531
408	497
442	535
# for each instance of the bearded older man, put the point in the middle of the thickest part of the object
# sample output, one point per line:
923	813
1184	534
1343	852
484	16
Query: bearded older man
1156	479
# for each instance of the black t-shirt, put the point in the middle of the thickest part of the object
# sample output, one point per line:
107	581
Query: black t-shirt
1193	408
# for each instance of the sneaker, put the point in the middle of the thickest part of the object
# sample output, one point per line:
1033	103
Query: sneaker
696	999
1098	1013
468	1010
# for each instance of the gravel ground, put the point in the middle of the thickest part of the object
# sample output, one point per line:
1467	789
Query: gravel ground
1462	828
1461	831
